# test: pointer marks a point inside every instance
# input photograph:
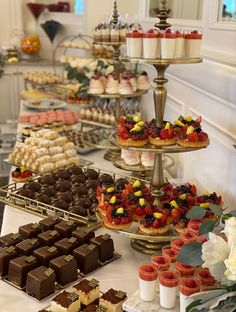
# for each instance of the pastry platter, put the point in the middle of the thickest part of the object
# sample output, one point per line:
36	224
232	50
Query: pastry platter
44	104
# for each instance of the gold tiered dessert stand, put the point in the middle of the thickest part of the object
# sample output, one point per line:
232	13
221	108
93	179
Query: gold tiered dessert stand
139	242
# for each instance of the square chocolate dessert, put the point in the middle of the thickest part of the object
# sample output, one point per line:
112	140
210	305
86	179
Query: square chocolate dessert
113	300
65	228
6	255
41	282
88	291
49	237
27	246
30	230
105	246
66	245
49	223
65	268
83	236
87	258
45	254
10	239
19	268
65	302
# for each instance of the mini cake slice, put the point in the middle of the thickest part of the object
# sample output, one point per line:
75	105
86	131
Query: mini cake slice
49	238
65	228
19	268
88	291
45	254
27	246
41	282
49	223
30	230
65	268
10	239
105	246
83	236
65	302
87	258
113	300
6	255
66	245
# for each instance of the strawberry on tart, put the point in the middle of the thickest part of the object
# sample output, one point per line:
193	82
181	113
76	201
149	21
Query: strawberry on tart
154	224
117	218
105	198
132	132
161	136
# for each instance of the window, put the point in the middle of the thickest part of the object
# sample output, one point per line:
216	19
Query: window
79	6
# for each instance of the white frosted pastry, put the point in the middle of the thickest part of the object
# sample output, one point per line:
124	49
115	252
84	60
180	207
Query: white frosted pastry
61	163
73	160
58	157
143	81
51	135
42	160
70	153
147	159
69	146
112	86
125	87
34	167
47	167
131	158
40	133
61	140
39	152
96	86
134	84
45	143
32	141
55	150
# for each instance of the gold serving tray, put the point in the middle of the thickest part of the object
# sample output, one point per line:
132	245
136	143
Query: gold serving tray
182	60
119	96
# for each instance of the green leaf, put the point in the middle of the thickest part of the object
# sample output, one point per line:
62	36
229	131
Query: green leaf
233	213
207	227
196	212
193	305
100	63
191	254
216	209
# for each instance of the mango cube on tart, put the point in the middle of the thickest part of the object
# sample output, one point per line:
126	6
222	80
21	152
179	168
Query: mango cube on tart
154	224
118	218
161	136
132	132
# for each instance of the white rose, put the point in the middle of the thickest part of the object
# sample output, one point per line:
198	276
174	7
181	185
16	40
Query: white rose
230	229
230	264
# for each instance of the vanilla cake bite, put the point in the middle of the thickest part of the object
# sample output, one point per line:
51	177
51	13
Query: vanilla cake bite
88	291
65	302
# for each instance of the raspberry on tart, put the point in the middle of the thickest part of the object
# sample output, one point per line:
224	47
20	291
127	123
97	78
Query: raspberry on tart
132	131
117	218
142	208
154	224
190	133
161	136
21	175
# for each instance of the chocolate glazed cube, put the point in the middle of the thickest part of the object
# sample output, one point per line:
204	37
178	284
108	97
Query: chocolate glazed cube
105	246
45	254
6	255
87	258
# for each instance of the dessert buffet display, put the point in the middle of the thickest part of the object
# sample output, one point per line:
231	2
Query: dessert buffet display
45	257
42	78
46	152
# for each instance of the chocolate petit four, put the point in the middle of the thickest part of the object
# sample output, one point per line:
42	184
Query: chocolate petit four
59	203
49	223
66	196
65	302
48	190
33	186
121	183
62	186
49	237
26	193
88	291
83	202
105	246
19	268
75	170
41	282
83	236
113	300
91	174
80	179
45	254
47	180
45	199
6	255
92	184
78	210
30	230
27	246
10	239
79	190
66	245
62	175
65	228
106	179
87	258
65	268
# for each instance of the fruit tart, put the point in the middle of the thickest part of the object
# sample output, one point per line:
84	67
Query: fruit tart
21	175
175	212
209	214
190	133
117	218
141	208
132	131
161	136
104	198
210	198
136	190
154	224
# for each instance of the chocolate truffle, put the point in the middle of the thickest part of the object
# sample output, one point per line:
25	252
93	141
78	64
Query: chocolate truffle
91	174
19	268
92	196
80	179
49	237
27	246
65	228
75	170
45	254
62	185
58	203
47	180
106	179
83	236
78	210
10	239
45	199
88	291
105	246
66	245
66	196
92	184
121	183
62	175
6	255
49	223
33	186
41	282
113	300
83	202
79	190
87	258
30	230
49	191
65	268
26	193
65	301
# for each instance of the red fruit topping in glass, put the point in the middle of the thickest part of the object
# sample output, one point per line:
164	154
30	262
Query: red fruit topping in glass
134	34
169	278
205	276
184	269
189	286
168	33
148	272
179	34
193	35
177	244
151	33
162	262
170	253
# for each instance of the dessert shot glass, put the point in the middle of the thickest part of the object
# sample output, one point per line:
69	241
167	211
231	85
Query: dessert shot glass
187	287
168	283
148	274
